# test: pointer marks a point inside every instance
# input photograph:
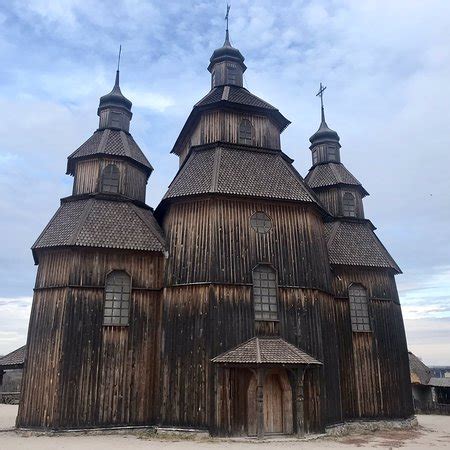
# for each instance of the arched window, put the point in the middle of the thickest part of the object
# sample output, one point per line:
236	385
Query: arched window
265	293
245	132
117	298
349	205
359	308
110	178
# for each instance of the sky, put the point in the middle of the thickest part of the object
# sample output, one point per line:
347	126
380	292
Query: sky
386	66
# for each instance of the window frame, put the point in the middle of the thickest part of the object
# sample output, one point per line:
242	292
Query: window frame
360	317
349	210
273	312
264	222
245	136
110	300
110	178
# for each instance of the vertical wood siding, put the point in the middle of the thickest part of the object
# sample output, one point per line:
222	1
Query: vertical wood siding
79	372
132	181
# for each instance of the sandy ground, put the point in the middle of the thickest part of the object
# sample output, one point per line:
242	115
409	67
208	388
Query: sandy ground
433	432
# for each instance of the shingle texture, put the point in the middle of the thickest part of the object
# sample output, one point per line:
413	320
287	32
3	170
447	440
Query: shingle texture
239	171
15	358
102	223
355	244
420	373
236	94
330	174
439	382
109	142
265	350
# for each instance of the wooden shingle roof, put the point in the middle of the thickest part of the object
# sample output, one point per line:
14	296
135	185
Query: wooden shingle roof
420	373
354	243
13	360
96	222
331	174
239	170
109	142
266	350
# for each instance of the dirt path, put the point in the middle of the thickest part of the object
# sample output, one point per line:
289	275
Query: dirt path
433	432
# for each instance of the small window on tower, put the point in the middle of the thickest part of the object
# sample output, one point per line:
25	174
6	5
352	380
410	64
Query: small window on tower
349	205
261	222
359	308
117	299
265	293
110	179
245	132
332	153
116	119
232	74
315	156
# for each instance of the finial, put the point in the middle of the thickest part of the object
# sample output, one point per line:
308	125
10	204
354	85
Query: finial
320	93
116	84
227	36
118	59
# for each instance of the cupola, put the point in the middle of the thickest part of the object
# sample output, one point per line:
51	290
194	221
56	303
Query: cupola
325	146
226	65
114	109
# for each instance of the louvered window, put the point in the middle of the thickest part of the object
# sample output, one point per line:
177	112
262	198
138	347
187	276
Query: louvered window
110	179
265	293
349	205
117	299
245	132
332	153
359	308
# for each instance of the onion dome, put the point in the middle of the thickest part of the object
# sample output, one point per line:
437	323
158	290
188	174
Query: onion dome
324	133
114	109
226	53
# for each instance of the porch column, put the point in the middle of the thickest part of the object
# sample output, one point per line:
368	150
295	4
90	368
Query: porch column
299	403
260	403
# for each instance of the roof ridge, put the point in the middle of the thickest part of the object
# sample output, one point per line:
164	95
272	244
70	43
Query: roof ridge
87	209
125	143
149	224
216	167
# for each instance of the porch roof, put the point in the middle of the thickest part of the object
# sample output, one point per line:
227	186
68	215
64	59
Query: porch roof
266	350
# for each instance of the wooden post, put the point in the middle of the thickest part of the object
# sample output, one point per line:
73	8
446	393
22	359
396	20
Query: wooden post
260	403
299	403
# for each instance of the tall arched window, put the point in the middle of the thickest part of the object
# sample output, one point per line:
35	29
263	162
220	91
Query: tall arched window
359	308
117	298
245	132
110	178
265	293
349	205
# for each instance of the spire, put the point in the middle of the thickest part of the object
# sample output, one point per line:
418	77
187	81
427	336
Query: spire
227	63
114	108
324	133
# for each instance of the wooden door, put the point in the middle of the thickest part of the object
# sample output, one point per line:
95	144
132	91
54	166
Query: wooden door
273	404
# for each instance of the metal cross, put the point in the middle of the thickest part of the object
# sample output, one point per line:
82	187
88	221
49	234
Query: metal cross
320	93
227	14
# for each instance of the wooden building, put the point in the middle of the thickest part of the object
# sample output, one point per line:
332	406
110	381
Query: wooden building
250	302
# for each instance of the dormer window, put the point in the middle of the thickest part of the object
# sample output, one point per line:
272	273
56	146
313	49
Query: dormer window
349	205
110	179
245	132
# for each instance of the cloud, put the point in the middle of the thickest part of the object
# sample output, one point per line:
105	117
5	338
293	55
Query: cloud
14	314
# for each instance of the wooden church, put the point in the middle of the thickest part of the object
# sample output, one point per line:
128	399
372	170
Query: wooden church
252	301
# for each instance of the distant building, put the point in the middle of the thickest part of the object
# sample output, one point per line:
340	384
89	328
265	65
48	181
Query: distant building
440	371
430	394
11	368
